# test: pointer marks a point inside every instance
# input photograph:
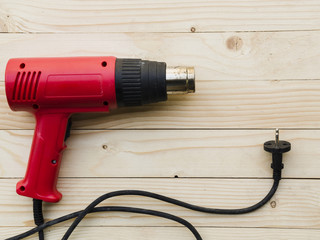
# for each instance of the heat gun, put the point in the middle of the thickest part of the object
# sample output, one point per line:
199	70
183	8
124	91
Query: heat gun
54	88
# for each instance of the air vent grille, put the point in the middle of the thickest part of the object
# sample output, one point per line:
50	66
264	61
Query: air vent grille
25	86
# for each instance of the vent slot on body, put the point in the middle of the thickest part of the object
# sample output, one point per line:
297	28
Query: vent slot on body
25	86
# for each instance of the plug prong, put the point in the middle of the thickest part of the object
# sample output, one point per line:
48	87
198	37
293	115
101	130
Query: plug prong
277	136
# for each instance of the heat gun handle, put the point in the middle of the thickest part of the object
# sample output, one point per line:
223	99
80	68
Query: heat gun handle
45	157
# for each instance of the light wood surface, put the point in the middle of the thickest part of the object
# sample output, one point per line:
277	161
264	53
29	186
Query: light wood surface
290	210
158	16
257	68
173	233
168	153
216	56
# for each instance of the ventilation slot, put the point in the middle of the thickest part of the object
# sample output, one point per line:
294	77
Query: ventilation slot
25	86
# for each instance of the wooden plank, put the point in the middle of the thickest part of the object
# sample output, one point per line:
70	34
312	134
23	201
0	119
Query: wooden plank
168	153
160	233
219	56
158	16
296	204
216	104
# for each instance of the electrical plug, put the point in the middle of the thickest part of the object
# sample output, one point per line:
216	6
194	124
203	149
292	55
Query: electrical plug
277	148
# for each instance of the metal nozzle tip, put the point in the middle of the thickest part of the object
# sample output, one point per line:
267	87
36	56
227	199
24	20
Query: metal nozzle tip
180	80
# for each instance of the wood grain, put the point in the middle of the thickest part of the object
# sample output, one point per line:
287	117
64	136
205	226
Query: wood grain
158	16
297	202
216	104
172	233
168	153
215	56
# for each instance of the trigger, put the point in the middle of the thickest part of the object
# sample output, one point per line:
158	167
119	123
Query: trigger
68	129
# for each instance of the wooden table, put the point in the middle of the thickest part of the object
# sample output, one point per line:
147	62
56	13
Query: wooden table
257	68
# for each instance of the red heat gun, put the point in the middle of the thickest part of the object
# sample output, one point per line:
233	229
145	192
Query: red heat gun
54	88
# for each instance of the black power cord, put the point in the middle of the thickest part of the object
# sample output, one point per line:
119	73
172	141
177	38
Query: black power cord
38	216
92	208
110	209
277	148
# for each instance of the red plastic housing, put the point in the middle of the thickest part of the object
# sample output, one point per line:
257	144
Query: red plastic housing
52	89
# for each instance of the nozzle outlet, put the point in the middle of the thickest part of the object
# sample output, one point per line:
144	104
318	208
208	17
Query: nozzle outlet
180	80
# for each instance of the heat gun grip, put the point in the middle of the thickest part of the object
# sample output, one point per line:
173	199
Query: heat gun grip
45	157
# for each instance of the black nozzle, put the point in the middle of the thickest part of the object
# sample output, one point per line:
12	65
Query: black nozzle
139	82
